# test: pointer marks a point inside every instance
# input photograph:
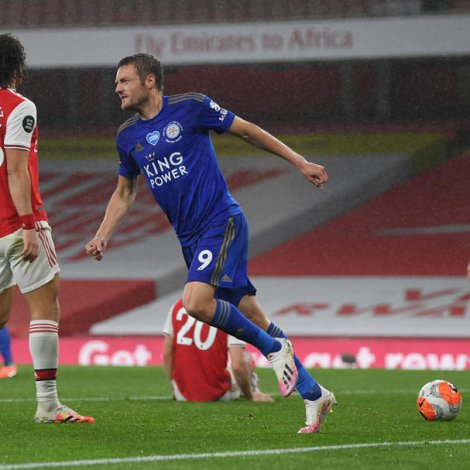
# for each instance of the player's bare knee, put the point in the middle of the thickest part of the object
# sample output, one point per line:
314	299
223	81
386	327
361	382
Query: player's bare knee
197	311
198	308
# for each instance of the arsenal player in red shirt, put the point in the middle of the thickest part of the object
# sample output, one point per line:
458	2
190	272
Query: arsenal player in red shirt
27	254
196	358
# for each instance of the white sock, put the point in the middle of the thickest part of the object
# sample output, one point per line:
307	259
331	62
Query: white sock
44	350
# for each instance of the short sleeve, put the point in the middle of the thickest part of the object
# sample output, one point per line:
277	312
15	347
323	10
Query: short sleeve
214	117
127	165
168	326
20	126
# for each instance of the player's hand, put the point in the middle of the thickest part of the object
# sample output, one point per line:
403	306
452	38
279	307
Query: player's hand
260	396
30	245
95	248
316	174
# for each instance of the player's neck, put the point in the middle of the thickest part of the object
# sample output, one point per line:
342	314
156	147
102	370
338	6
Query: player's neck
11	86
152	107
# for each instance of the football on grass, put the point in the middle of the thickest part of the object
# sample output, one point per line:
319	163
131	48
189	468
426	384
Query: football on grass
439	400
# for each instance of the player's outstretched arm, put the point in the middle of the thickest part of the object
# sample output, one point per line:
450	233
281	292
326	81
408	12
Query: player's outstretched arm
118	206
259	138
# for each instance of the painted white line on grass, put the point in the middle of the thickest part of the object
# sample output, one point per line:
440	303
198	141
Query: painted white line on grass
78	399
169	397
243	453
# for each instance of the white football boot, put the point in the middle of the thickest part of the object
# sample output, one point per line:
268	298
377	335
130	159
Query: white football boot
317	410
284	366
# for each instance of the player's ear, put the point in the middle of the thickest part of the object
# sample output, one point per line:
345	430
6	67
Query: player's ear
151	81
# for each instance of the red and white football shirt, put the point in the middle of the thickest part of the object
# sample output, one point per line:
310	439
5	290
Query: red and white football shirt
18	130
200	355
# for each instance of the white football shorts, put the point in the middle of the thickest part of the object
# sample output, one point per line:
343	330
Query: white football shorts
27	275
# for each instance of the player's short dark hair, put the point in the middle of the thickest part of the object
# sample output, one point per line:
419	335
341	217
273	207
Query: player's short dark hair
12	60
145	65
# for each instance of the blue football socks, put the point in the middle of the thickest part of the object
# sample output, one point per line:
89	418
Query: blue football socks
306	385
5	349
228	318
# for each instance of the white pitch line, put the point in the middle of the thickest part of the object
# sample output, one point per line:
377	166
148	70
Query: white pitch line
246	453
78	399
168	397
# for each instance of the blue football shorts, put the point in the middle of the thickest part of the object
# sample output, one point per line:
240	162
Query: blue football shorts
220	257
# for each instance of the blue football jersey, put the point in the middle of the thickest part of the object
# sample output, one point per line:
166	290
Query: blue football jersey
175	153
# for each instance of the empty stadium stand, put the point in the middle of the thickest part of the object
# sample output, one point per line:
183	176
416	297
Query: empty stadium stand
419	228
38	13
402	91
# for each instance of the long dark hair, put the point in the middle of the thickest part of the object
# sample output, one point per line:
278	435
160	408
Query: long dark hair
12	60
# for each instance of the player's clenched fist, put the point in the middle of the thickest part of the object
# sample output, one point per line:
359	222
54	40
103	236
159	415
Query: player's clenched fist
95	248
316	174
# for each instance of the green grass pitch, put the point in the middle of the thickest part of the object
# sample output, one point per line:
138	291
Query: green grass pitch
375	425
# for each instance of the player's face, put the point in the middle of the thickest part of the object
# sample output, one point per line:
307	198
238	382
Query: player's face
130	89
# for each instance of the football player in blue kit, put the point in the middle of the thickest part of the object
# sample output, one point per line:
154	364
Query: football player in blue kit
168	141
9	369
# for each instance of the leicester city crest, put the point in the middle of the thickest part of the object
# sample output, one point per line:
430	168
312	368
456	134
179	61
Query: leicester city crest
173	131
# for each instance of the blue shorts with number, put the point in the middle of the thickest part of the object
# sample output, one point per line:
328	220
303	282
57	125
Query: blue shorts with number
220	256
